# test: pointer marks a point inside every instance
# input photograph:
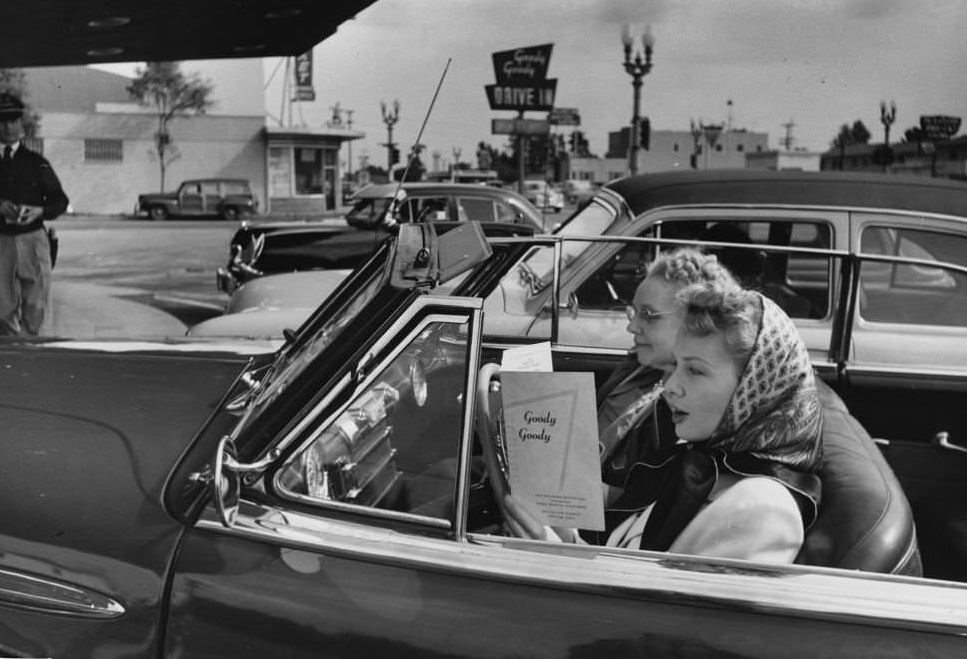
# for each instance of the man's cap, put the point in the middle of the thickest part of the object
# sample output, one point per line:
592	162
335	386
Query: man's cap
10	105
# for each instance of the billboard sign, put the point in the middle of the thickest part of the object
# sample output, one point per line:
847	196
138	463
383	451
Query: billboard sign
519	127
303	78
539	96
564	117
522	66
939	126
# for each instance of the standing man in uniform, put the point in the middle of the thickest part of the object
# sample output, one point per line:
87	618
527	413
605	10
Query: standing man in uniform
29	194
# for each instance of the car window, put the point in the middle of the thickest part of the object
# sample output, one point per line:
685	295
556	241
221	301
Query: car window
423	209
235	187
919	294
368	211
800	284
210	188
476	209
395	445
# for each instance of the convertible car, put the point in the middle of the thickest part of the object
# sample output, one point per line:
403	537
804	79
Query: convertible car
332	496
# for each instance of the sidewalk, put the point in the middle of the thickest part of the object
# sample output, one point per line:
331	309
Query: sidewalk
80	310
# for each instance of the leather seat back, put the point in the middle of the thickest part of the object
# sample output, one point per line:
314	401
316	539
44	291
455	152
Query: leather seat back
865	521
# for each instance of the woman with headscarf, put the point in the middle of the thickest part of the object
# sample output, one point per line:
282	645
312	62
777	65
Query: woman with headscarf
741	480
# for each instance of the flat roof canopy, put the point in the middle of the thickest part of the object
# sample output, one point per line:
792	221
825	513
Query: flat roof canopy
65	32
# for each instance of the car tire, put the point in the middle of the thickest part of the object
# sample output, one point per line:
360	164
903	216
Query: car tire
230	213
158	213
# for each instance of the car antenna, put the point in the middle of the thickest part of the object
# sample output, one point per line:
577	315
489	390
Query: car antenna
394	210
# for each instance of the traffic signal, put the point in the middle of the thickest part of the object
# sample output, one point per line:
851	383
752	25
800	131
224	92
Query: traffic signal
644	136
571	141
394	155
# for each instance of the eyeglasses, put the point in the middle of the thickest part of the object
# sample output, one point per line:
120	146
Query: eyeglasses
646	315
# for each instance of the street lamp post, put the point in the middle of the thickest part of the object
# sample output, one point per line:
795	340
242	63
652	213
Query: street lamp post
887	117
637	69
390	118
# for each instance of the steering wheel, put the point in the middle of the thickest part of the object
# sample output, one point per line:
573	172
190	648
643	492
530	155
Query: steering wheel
488	431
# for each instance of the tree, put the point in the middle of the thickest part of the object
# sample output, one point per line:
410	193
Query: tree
914	134
163	87
14	81
847	135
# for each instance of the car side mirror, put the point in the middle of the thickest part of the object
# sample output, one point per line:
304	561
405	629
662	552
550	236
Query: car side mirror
226	481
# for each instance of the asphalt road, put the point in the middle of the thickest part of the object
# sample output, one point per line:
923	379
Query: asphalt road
169	265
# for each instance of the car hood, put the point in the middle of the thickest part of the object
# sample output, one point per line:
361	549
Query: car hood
91	434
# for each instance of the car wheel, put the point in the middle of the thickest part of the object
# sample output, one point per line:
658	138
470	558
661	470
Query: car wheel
230	213
158	213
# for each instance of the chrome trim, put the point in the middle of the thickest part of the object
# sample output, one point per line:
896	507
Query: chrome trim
809	592
809	208
853	368
466	439
942	440
28	591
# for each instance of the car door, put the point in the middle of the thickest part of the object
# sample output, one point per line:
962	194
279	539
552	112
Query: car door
191	199
397	550
905	375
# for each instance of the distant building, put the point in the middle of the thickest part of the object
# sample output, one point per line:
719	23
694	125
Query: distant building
669	150
945	158
101	143
804	161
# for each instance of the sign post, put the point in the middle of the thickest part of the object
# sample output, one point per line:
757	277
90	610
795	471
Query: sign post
521	85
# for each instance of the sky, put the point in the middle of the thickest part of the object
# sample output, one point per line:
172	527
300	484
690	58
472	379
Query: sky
815	63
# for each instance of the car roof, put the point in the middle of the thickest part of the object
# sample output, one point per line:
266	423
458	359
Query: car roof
386	190
928	195
217	179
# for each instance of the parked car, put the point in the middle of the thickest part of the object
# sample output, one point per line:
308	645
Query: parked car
259	248
452	202
343	467
544	196
228	198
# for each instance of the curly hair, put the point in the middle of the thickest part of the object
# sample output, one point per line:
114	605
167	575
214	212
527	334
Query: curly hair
688	265
734	311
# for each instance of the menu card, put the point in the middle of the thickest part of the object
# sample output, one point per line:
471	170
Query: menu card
551	432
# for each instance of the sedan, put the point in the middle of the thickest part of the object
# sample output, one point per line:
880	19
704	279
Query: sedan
345	467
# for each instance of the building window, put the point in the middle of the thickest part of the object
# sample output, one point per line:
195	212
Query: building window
103	150
35	144
740	148
308	171
718	147
675	147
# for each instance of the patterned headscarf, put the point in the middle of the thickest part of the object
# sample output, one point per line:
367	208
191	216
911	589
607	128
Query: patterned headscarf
774	413
772	427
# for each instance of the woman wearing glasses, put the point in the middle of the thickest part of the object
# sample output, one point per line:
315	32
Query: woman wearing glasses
740	480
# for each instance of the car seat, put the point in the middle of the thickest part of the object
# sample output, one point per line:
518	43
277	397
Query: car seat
865	521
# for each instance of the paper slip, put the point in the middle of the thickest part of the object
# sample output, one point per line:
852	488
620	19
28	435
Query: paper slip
551	434
535	357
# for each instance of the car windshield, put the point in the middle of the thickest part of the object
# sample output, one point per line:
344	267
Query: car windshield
368	211
291	362
537	268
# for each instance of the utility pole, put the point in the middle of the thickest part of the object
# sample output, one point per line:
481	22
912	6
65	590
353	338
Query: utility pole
887	117
390	118
349	143
788	140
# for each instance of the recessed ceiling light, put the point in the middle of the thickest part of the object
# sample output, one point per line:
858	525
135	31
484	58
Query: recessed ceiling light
288	12
104	52
108	22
